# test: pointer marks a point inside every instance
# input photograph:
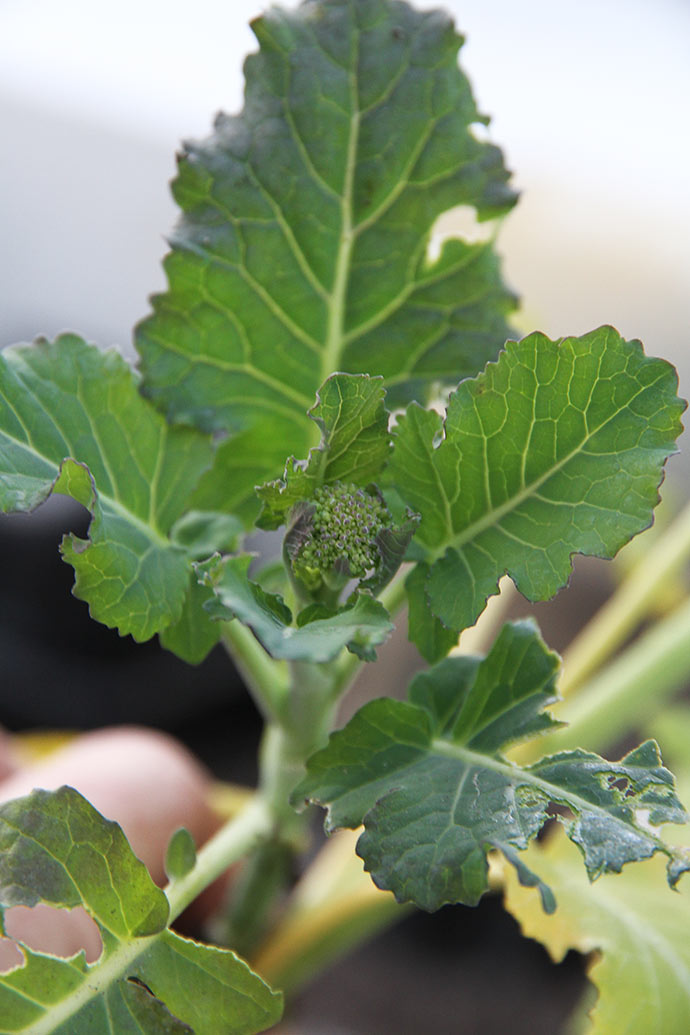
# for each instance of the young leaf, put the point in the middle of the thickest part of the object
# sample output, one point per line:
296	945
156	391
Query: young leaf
428	780
360	626
180	855
73	422
637	932
302	248
556	448
55	848
355	445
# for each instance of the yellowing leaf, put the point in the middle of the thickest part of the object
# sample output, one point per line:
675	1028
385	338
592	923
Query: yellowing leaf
638	928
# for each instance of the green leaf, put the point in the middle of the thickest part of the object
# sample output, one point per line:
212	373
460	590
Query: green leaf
303	244
55	848
428	779
73	422
360	626
355	445
636	931
180	856
556	448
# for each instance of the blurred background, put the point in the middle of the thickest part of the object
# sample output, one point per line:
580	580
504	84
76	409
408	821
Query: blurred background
588	101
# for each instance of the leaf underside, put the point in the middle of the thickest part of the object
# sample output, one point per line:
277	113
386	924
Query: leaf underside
557	448
428	780
56	849
302	247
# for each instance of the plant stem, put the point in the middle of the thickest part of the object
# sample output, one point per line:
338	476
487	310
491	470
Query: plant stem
267	680
334	907
626	693
232	842
348	665
631	602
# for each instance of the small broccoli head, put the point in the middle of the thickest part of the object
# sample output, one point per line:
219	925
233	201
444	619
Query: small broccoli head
338	534
344	532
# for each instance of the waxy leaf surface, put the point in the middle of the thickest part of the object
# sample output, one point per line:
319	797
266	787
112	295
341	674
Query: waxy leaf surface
556	448
56	849
355	445
428	779
637	929
72	421
302	247
360	626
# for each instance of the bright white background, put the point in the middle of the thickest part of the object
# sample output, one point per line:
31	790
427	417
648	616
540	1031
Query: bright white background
589	101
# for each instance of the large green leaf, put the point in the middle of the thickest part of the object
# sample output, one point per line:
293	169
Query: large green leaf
56	849
428	779
302	248
636	931
73	422
556	448
355	445
359	626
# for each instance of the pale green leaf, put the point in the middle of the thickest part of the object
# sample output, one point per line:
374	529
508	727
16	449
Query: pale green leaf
636	929
360	626
556	448
73	422
302	248
56	849
428	780
180	855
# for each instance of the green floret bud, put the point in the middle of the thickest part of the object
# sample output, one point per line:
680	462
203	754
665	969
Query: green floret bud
343	525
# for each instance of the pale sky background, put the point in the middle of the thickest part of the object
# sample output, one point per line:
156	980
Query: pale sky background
589	100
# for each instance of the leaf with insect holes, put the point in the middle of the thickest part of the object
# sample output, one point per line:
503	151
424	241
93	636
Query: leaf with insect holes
56	849
428	780
556	448
303	244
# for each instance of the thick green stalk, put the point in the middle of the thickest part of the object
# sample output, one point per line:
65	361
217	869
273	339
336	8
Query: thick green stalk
267	680
347	666
628	606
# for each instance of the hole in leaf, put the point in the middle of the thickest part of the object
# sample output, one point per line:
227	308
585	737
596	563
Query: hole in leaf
460	221
11	956
60	932
556	811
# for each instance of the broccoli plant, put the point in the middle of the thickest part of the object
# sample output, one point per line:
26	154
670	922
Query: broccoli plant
313	368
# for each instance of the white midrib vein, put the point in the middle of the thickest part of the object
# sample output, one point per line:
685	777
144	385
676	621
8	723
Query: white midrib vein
338	297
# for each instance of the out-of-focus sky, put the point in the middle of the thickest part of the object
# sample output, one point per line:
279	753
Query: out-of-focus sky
588	99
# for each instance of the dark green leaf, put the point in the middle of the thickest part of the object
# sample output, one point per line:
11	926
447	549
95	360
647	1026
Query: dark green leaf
302	249
360	626
355	445
56	849
428	780
73	422
556	448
